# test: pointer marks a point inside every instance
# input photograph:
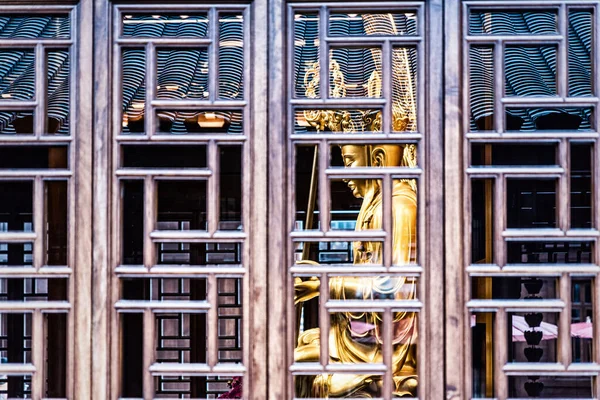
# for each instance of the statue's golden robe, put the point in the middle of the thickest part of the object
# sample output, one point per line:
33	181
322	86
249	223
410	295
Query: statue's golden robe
357	337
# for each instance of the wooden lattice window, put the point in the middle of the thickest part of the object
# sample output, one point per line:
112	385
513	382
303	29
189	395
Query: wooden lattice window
358	168
529	129
180	195
41	165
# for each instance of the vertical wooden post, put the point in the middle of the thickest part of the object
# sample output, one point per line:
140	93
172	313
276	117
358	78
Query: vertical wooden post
101	307
81	358
453	221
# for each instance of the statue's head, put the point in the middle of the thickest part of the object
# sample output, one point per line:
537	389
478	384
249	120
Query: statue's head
378	155
356	156
387	155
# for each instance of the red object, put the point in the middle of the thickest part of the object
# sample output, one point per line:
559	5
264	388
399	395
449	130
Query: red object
236	389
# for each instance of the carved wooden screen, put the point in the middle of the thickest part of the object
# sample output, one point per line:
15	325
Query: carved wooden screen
360	249
44	166
181	137
530	162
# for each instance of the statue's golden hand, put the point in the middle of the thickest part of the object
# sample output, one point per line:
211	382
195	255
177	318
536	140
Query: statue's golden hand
306	290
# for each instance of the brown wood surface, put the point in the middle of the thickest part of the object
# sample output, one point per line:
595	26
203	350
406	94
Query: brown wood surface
93	332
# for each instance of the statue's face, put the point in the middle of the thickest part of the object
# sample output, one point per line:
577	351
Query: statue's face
355	156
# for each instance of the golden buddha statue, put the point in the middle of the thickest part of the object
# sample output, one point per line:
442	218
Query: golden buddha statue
356	337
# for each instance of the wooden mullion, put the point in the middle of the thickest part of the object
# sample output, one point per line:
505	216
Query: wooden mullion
213	58
178	7
549	135
564	355
359	7
193	236
324	191
524	269
387	221
387	80
209	105
563	189
323	54
388	354
36	7
213	322
29	140
37	355
148	353
512	39
356	270
164	41
151	82
324	319
378	41
32	173
549	102
499	118
12	105
359	138
39	126
339	102
562	73
596	327
500	355
39	223
179	174
172	271
373	173
213	195
150	218
188	139
516	172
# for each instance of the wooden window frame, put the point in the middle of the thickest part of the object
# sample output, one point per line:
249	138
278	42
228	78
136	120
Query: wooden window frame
457	221
93	289
106	382
79	257
280	152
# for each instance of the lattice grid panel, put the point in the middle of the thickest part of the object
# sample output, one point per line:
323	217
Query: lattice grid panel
180	143
530	150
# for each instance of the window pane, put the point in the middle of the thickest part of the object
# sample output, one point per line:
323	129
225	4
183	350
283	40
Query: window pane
182	205
16	122
164	156
194	122
165	25
16	206
513	23
134	90
376	24
580	63
14	26
17	74
538	63
231	56
58	64
355	72
306	53
182	73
